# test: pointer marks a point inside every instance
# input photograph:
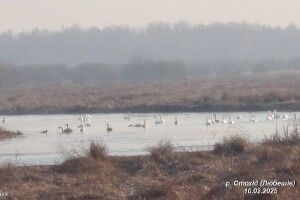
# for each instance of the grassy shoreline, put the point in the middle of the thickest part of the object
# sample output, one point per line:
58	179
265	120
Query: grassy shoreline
6	134
163	174
256	107
211	94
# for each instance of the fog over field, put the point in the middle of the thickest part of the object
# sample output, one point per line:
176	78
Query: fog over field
158	52
162	41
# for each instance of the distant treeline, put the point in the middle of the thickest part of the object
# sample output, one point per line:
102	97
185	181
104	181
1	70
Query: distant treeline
157	41
138	69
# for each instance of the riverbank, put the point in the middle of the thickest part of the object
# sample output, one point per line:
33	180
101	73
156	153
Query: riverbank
209	94
205	107
5	134
163	174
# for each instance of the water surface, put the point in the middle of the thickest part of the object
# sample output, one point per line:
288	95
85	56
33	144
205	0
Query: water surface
191	133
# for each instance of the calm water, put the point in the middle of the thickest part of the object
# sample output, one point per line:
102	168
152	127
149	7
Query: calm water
191	133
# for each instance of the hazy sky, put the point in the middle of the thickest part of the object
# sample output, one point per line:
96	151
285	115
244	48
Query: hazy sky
19	15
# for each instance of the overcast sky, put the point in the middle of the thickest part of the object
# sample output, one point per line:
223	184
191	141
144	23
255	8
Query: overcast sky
25	15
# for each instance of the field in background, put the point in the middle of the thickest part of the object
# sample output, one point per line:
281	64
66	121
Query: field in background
276	90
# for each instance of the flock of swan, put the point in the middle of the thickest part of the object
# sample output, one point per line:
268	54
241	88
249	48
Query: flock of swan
85	122
227	119
211	119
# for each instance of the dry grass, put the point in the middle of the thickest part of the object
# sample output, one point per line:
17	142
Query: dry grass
232	145
94	160
161	151
5	134
290	136
8	173
259	92
164	174
98	151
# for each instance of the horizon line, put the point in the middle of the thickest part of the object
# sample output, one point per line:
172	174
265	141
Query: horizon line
142	27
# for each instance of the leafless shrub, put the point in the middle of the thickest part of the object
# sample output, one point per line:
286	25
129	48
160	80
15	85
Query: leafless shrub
289	137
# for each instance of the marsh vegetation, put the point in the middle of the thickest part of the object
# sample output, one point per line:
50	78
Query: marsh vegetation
207	93
163	174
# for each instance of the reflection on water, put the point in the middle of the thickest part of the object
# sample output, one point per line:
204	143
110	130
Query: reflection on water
191	132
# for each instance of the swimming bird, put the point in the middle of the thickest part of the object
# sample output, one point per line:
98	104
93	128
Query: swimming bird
285	116
215	119
87	119
253	118
67	130
127	117
136	125
144	125
270	116
81	130
81	127
158	121
176	121
230	120
224	121
45	131
276	115
108	128
208	121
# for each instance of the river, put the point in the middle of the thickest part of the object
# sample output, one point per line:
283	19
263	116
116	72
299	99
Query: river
191	133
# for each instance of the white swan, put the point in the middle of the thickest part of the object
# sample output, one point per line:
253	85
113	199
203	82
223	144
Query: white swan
208	121
87	120
224	121
144	125
270	116
158	121
81	126
253	118
230	120
127	117
275	115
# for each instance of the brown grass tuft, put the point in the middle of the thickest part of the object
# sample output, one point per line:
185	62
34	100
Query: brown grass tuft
5	134
232	145
163	150
98	151
8	173
93	161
